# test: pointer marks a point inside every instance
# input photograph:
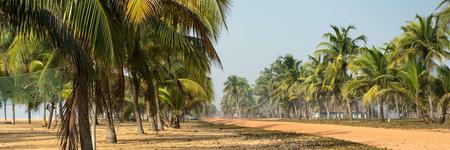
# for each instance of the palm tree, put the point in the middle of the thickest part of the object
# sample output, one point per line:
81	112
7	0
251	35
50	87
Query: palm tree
426	40
287	70
98	40
372	74
443	78
235	86
313	84
413	78
339	49
193	95
262	91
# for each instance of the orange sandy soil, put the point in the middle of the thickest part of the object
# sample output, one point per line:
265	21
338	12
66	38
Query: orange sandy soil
193	135
380	137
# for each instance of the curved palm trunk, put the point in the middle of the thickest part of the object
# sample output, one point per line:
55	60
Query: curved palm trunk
424	114
107	102
110	130
135	94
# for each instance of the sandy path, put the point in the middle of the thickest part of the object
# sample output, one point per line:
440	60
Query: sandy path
193	135
385	138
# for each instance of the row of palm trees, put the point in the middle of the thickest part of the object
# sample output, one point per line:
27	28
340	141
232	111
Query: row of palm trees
344	75
111	58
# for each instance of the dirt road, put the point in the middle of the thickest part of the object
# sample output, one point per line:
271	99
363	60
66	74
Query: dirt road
193	135
379	137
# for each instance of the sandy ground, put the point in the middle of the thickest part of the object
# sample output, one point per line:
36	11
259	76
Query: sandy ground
193	135
379	137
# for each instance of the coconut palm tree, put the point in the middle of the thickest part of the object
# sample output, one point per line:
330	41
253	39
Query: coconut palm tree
179	103
97	40
372	75
235	87
338	50
313	84
412	85
426	40
287	70
443	78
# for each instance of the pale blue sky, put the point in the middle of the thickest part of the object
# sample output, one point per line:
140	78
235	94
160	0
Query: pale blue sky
261	30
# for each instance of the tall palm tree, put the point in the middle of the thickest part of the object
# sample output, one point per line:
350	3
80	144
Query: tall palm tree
235	86
313	84
338	50
287	72
413	78
443	78
372	74
97	40
424	39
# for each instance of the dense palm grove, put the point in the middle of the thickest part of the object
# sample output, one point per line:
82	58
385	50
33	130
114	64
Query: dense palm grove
118	60
345	78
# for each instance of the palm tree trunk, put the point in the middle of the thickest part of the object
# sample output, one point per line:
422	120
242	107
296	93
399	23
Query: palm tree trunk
444	111
135	94
349	109
280	114
327	107
149	111
306	110
29	115
397	110
425	116
45	113
417	112
13	112
380	110
81	101
158	118
295	110
93	125
430	103
52	108
4	109
238	109
60	114
110	130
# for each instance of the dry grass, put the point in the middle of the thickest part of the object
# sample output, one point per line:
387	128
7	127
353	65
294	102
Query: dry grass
393	124
193	135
